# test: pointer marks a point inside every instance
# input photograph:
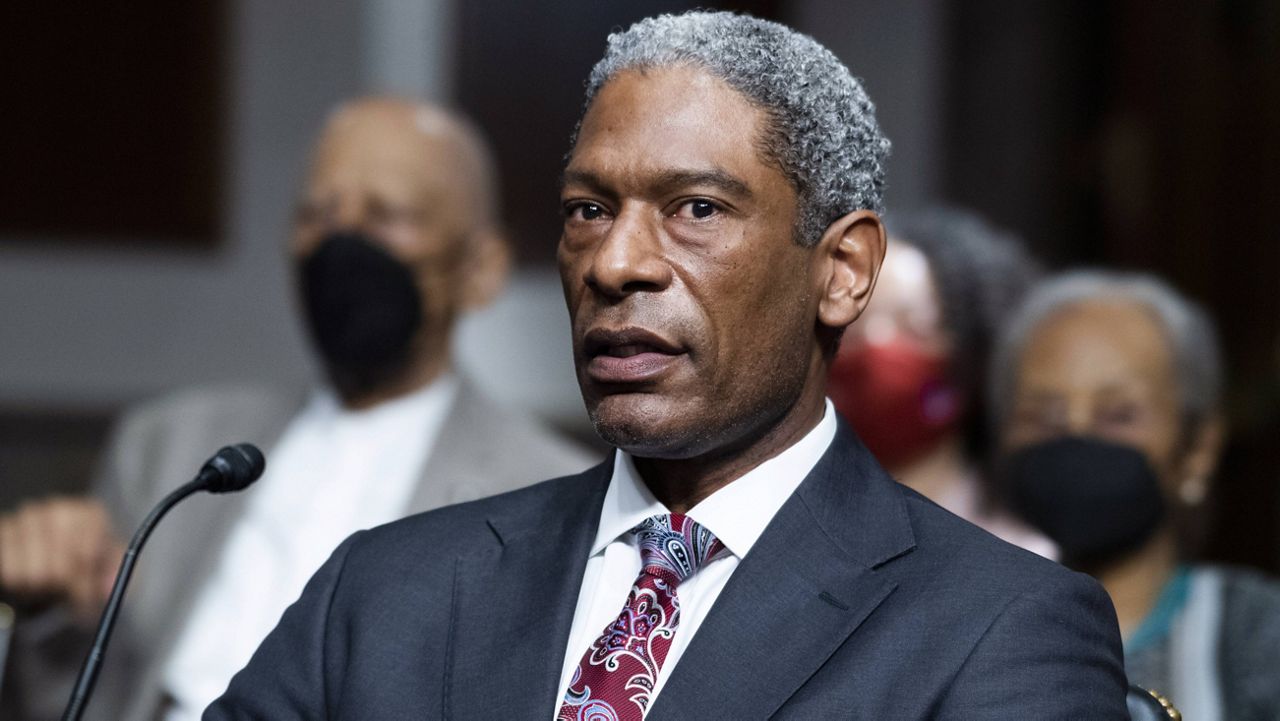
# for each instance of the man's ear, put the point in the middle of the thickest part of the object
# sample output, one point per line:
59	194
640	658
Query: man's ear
484	273
848	261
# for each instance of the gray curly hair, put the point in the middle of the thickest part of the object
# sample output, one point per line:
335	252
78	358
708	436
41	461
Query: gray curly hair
821	131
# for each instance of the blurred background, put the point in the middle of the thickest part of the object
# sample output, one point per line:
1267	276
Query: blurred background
153	152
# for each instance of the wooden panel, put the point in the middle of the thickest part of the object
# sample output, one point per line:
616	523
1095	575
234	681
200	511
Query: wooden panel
113	121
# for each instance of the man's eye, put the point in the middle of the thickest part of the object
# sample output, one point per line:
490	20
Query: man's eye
584	211
698	209
1117	417
394	214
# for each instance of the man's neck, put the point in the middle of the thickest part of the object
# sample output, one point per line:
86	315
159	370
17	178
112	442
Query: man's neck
680	484
416	377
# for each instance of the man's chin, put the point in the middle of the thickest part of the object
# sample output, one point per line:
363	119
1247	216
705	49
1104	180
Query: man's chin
644	426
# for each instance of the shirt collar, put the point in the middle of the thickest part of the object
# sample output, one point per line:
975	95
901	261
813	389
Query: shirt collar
738	513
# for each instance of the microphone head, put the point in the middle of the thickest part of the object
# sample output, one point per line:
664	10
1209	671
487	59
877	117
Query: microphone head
232	468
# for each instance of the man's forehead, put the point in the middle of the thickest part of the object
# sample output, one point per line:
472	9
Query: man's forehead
370	157
373	137
391	114
386	151
679	95
678	122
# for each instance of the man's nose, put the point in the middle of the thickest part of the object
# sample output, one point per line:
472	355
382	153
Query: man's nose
347	211
1079	419
630	257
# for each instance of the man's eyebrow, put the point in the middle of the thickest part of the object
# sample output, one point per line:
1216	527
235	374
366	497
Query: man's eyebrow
715	178
583	177
666	180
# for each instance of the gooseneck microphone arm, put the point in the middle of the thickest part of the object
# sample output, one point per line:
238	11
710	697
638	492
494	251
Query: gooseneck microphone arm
89	671
230	469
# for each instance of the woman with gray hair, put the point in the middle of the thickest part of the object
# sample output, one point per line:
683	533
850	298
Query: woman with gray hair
909	374
1105	390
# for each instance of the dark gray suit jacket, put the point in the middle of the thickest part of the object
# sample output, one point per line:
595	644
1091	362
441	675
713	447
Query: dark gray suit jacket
861	600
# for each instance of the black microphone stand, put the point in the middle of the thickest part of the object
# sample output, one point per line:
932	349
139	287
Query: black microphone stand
89	671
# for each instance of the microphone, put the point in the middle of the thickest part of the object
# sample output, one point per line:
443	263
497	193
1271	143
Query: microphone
232	468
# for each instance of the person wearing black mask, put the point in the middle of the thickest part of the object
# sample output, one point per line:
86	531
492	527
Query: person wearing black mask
395	235
1105	389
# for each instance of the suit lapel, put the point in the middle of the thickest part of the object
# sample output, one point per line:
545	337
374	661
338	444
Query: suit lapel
818	571
514	604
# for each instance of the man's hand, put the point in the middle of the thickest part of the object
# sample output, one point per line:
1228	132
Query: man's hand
60	548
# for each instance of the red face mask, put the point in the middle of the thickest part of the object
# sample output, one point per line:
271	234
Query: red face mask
896	396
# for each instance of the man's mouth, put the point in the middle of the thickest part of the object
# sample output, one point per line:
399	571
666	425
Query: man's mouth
628	355
626	351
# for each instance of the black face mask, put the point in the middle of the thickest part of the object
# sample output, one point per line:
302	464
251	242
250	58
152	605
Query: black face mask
1097	500
363	309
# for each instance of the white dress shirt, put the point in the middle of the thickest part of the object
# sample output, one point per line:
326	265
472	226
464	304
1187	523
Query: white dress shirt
736	514
334	471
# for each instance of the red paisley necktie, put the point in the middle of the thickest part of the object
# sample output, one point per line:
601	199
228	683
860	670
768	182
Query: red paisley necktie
614	680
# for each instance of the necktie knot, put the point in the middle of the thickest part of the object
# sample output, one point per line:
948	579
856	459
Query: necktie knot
674	546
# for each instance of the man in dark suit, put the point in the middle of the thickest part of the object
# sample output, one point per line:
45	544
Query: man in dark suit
742	555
